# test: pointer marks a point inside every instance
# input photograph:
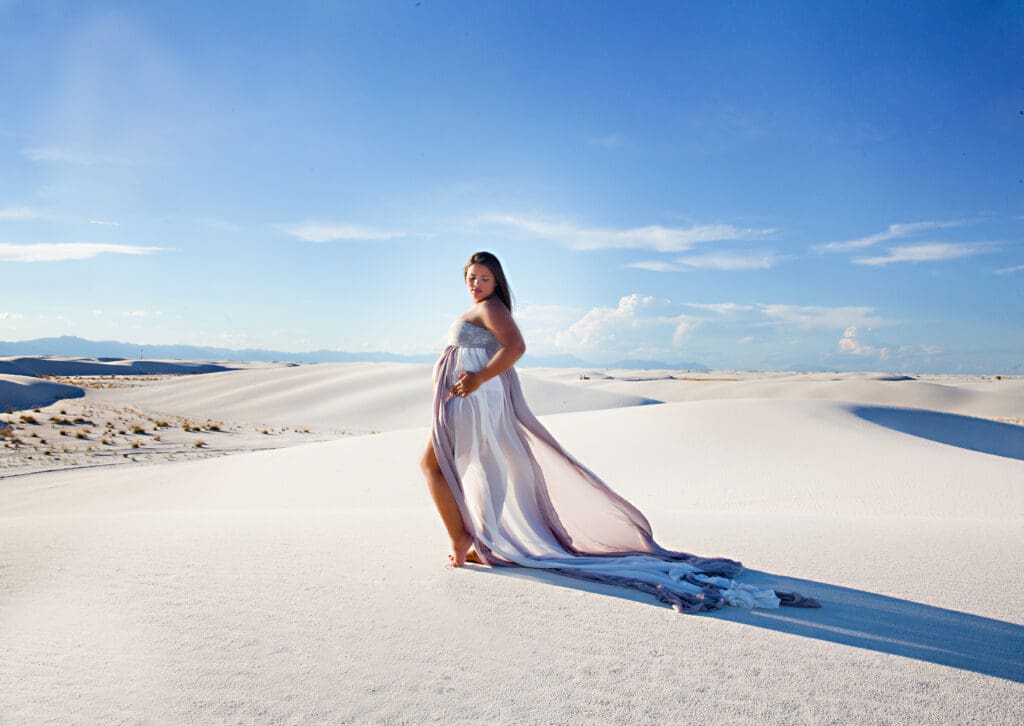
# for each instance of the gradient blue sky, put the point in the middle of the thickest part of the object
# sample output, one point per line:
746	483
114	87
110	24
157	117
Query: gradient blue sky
746	185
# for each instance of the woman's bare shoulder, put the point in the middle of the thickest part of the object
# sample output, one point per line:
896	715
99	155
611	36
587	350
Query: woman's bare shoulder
493	311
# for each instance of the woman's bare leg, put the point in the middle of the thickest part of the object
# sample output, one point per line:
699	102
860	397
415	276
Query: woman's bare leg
444	500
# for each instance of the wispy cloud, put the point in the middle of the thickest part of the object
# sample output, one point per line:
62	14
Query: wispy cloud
68	251
5	315
1008	270
893	231
928	252
821	317
651	237
608	141
326	232
718	261
19	213
56	155
721	308
141	313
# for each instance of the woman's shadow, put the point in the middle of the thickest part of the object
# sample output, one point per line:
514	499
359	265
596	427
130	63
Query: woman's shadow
856	618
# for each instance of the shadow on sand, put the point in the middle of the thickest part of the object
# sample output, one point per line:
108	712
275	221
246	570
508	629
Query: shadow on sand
966	432
856	618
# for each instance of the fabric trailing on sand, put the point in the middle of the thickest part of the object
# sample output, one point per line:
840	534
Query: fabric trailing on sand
527	502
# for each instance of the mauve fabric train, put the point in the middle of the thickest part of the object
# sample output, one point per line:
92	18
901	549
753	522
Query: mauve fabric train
527	502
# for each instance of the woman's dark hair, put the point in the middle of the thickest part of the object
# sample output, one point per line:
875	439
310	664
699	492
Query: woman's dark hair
488	260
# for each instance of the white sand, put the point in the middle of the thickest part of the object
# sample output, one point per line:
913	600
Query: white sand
309	584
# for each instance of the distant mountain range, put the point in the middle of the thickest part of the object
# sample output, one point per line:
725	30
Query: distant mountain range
71	346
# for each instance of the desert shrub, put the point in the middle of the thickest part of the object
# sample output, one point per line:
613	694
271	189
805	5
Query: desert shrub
25	418
136	444
156	438
138	429
81	434
199	443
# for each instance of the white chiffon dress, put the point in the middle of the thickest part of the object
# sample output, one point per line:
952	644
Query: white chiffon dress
527	502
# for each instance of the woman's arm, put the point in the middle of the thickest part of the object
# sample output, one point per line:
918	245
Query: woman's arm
496	318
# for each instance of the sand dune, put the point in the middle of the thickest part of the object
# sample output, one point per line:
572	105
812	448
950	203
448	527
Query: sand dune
309	583
359	396
20	392
57	366
968	395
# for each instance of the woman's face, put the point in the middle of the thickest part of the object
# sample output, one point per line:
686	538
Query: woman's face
480	282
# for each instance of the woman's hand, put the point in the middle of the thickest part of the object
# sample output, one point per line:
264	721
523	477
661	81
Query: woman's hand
468	382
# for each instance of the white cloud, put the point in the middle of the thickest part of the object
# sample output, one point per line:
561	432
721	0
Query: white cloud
893	231
67	251
746	339
57	155
850	344
608	141
654	266
19	213
10	316
721	308
325	232
637	326
141	313
717	261
683	327
928	252
651	237
729	261
104	223
820	317
1008	270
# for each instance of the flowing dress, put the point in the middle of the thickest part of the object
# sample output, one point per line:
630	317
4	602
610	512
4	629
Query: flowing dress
527	502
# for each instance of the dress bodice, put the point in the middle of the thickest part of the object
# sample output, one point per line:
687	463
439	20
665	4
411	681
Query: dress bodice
466	335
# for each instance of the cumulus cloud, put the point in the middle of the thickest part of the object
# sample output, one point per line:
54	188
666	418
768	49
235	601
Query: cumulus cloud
651	237
328	232
638	323
57	252
893	231
850	344
928	252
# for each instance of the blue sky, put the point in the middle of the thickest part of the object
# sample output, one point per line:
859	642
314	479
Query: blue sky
745	185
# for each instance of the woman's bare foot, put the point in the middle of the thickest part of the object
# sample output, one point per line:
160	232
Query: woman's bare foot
463	552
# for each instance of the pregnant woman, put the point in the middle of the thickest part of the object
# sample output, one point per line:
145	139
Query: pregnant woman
510	495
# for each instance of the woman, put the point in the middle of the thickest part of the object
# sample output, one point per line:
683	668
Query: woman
509	494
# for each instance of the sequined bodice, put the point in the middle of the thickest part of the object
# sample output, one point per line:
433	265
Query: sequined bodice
467	335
